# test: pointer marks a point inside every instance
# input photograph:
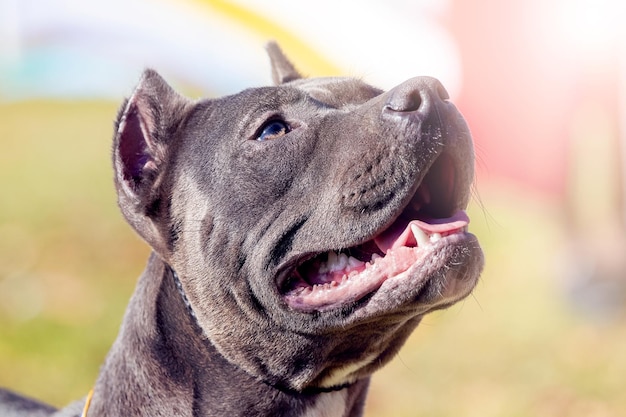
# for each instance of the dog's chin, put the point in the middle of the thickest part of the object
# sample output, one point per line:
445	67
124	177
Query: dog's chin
406	254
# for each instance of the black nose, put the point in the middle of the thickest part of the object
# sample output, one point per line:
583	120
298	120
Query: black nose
418	94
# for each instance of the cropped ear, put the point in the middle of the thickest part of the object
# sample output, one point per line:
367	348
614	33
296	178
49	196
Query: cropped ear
283	70
145	130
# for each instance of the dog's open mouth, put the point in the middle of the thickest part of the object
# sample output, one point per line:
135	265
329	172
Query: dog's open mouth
430	221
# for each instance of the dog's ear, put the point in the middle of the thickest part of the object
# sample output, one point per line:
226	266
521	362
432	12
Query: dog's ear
283	70
146	126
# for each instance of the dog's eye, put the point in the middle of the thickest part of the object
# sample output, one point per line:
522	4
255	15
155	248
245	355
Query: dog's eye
273	130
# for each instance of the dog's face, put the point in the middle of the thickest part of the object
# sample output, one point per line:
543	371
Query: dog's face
312	224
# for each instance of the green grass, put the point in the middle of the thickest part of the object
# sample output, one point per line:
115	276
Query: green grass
68	264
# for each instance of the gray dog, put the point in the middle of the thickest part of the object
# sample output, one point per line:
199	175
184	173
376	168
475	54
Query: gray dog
299	232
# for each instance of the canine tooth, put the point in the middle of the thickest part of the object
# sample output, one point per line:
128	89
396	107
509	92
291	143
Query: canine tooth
435	237
332	259
420	236
329	265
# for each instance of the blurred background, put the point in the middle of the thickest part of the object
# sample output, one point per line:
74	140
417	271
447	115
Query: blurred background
542	84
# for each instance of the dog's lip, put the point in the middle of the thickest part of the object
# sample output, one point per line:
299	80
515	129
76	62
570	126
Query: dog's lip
406	232
431	220
405	248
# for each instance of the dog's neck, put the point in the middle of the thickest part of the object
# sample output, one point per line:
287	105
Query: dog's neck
162	365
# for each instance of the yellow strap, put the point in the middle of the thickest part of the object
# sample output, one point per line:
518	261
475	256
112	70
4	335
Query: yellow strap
87	402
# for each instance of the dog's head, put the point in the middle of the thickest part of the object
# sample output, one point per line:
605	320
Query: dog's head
312	223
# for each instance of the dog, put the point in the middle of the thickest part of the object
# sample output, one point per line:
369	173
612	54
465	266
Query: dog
300	232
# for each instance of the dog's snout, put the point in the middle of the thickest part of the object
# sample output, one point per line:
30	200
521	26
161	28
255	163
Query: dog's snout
415	95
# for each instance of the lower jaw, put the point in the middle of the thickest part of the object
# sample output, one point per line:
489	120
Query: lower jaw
398	266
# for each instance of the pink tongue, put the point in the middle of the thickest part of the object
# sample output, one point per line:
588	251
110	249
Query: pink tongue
399	233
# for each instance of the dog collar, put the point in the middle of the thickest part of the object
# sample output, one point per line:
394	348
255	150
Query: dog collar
182	293
87	403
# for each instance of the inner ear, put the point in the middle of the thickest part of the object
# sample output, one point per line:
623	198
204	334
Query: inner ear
283	70
136	153
146	127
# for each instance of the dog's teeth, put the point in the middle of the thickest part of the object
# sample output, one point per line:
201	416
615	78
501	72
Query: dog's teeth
342	262
375	257
354	262
435	237
420	236
328	266
336	262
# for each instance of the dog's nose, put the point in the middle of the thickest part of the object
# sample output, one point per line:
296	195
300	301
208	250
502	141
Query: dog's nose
418	94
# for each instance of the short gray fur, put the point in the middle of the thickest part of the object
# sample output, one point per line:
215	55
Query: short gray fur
231	215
